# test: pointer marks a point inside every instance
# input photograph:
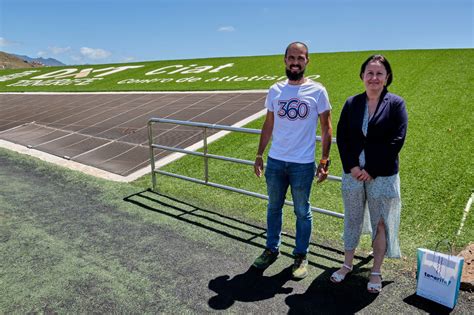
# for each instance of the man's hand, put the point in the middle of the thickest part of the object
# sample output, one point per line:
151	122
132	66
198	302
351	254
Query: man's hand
258	166
265	136
322	173
326	139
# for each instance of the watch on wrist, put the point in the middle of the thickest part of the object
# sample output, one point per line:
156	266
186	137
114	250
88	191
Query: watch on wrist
325	163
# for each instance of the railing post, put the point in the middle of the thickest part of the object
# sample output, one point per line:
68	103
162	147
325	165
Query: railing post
206	156
206	159
152	155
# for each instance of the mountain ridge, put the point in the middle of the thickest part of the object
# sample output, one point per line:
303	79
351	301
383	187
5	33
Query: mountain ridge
44	61
9	61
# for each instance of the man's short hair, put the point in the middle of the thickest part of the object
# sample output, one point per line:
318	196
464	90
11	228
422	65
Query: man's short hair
297	43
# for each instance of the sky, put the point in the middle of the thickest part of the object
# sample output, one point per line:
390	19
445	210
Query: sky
110	31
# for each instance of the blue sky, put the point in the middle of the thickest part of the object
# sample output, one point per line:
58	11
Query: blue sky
104	31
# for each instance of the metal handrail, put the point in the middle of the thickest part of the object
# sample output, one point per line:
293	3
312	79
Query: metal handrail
206	157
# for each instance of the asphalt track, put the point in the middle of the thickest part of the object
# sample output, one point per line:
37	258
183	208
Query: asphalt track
154	253
108	131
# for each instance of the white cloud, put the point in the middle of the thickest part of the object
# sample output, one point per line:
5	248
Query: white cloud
95	53
53	50
5	42
77	58
58	50
226	29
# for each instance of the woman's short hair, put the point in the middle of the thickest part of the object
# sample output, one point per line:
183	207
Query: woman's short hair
383	61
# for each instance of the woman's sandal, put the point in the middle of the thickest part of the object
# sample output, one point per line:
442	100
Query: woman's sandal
375	288
337	277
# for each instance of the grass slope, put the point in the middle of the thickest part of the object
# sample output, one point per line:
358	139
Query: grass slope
436	168
336	69
437	173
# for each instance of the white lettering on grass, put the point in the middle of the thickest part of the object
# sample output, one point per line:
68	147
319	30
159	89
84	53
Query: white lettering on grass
194	68
198	69
55	82
13	76
161	70
226	78
71	72
189	79
114	70
140	81
56	74
221	67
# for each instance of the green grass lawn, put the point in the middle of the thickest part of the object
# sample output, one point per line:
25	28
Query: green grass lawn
436	161
72	243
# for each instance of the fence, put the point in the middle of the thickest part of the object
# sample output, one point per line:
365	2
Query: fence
208	156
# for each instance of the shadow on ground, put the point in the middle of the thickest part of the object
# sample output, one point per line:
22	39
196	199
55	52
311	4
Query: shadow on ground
251	286
427	305
229	227
347	297
68	247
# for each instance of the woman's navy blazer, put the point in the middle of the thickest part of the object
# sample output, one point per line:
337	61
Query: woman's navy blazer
385	134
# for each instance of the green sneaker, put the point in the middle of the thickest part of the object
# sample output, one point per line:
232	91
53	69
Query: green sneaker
265	259
299	269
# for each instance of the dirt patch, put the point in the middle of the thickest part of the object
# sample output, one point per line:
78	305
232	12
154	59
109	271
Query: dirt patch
467	280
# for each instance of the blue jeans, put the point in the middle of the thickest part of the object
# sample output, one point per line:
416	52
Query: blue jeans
279	175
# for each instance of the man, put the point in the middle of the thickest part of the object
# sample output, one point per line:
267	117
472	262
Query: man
293	107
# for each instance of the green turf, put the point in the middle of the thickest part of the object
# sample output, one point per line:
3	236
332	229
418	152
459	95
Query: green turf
338	71
436	162
437	174
246	73
71	243
436	169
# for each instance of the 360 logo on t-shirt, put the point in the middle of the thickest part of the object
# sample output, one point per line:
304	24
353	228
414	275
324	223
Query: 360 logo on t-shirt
293	109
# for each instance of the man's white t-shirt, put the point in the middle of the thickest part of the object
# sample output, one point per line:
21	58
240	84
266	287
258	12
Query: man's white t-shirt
296	109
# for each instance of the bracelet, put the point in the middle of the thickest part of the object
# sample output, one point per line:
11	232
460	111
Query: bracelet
259	156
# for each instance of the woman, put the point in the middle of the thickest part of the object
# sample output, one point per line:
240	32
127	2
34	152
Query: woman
370	134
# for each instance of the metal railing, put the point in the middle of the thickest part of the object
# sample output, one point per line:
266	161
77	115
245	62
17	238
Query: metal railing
208	156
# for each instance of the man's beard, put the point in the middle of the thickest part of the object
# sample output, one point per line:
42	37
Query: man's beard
292	76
